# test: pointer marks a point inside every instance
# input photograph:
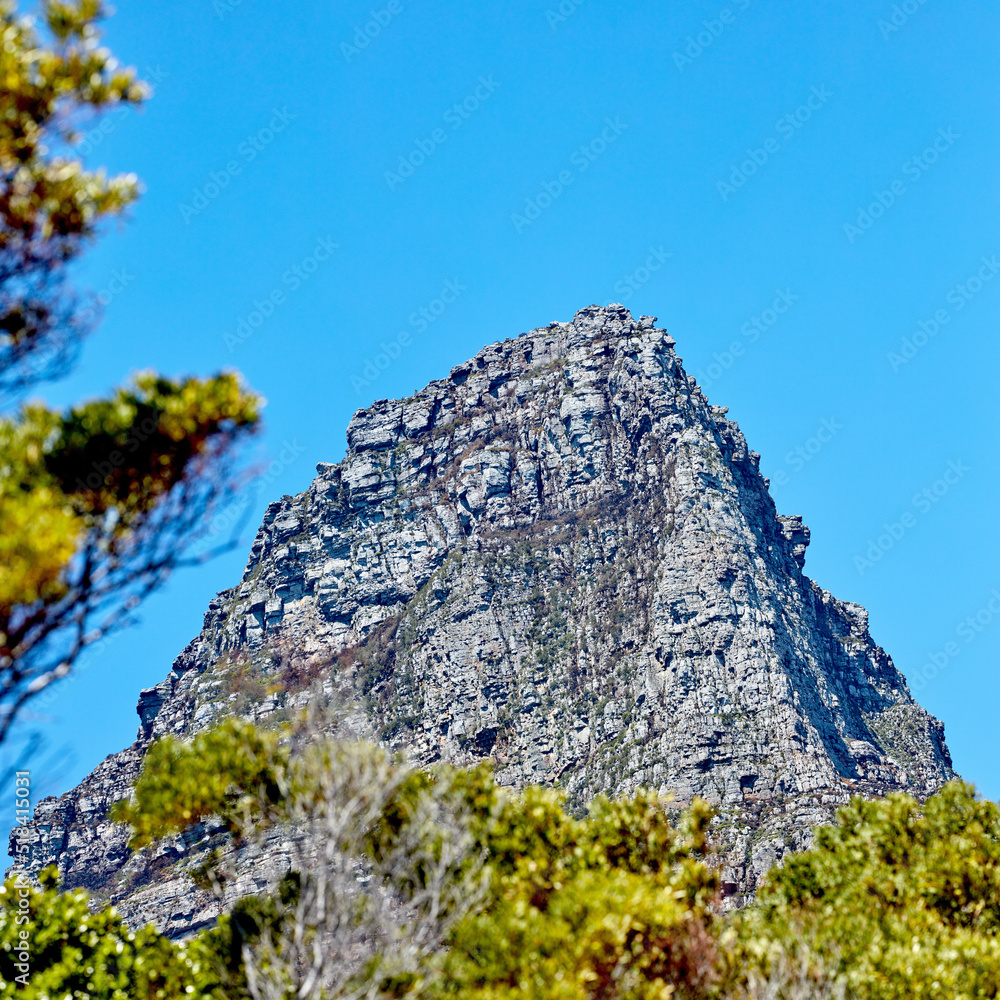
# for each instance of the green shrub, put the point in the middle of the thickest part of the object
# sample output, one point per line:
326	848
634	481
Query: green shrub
899	899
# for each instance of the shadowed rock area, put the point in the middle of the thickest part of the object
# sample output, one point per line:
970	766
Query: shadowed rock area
560	558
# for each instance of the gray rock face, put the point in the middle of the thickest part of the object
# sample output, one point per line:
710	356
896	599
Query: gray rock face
562	558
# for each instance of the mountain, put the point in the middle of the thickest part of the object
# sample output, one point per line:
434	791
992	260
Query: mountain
561	558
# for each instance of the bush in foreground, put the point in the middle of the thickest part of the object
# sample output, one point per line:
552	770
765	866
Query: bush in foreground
442	884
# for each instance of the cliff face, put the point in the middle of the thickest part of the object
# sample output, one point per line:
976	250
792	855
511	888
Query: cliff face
560	557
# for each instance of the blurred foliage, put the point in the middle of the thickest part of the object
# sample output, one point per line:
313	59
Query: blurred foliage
70	952
96	507
98	503
614	904
899	899
101	466
224	772
52	82
896	900
617	900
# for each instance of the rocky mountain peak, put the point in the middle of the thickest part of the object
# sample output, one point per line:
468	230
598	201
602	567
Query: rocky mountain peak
560	558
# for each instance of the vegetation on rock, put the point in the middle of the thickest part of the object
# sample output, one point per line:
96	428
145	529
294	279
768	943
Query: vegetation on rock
440	883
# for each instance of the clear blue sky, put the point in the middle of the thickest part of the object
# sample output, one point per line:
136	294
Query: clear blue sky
711	165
